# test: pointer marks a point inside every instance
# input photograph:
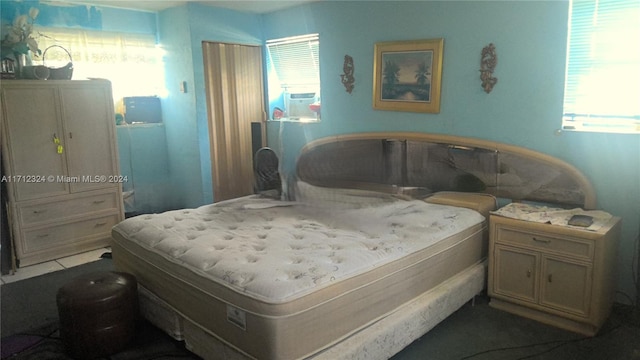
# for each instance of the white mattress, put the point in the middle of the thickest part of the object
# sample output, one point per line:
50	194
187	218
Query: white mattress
285	280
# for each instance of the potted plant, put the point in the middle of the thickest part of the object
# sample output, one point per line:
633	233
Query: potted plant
18	41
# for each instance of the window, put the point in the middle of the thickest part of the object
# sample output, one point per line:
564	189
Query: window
602	88
294	78
132	62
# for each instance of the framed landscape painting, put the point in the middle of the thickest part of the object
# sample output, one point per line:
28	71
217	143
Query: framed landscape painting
407	75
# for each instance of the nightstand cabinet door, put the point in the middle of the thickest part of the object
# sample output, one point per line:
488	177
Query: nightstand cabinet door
566	286
515	273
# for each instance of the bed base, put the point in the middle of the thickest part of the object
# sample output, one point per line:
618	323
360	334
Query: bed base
379	340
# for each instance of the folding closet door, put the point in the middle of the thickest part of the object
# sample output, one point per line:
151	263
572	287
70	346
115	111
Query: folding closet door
235	103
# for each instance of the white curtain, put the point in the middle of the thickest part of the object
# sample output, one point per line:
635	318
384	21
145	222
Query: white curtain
132	62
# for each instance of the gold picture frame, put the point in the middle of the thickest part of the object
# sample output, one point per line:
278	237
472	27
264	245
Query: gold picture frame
407	75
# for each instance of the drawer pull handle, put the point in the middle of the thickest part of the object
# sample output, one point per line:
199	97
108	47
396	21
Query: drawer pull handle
546	241
101	224
39	211
550	278
528	273
43	235
98	201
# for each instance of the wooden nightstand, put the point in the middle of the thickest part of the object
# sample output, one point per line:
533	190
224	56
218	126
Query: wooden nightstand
558	275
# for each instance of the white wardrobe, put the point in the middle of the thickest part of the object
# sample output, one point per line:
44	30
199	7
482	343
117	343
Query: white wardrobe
61	166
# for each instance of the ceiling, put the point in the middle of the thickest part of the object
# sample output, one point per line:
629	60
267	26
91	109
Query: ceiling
253	6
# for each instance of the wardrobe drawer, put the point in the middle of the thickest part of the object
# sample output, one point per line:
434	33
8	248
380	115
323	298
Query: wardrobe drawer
43	212
542	241
69	233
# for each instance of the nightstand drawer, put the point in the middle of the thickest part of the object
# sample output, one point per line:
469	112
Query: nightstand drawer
541	241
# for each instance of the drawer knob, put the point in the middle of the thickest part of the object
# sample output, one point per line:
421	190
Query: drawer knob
546	241
550	278
528	273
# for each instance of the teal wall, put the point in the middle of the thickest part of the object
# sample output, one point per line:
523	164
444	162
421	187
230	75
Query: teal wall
178	109
143	161
524	108
216	25
182	31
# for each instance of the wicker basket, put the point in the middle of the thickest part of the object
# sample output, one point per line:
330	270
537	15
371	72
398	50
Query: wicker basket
61	73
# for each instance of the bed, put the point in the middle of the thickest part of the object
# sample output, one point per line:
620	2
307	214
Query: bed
384	237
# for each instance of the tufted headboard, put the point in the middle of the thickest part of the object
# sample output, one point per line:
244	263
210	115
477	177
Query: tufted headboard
428	163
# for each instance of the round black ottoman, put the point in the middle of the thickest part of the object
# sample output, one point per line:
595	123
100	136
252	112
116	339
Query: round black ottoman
98	313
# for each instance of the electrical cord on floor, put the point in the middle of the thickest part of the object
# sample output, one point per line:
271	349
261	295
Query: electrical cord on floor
560	343
48	335
628	314
567	342
627	296
179	353
632	308
514	348
635	272
166	355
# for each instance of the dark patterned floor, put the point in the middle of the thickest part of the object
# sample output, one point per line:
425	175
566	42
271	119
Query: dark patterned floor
30	322
45	344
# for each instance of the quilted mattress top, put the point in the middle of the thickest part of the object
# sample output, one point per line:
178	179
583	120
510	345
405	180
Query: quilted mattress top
277	251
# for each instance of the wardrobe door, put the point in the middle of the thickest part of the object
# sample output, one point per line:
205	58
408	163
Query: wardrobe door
32	123
90	126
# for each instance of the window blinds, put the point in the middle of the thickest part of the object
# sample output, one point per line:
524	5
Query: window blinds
296	61
602	86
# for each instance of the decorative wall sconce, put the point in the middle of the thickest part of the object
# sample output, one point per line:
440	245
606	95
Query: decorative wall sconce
488	62
347	78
